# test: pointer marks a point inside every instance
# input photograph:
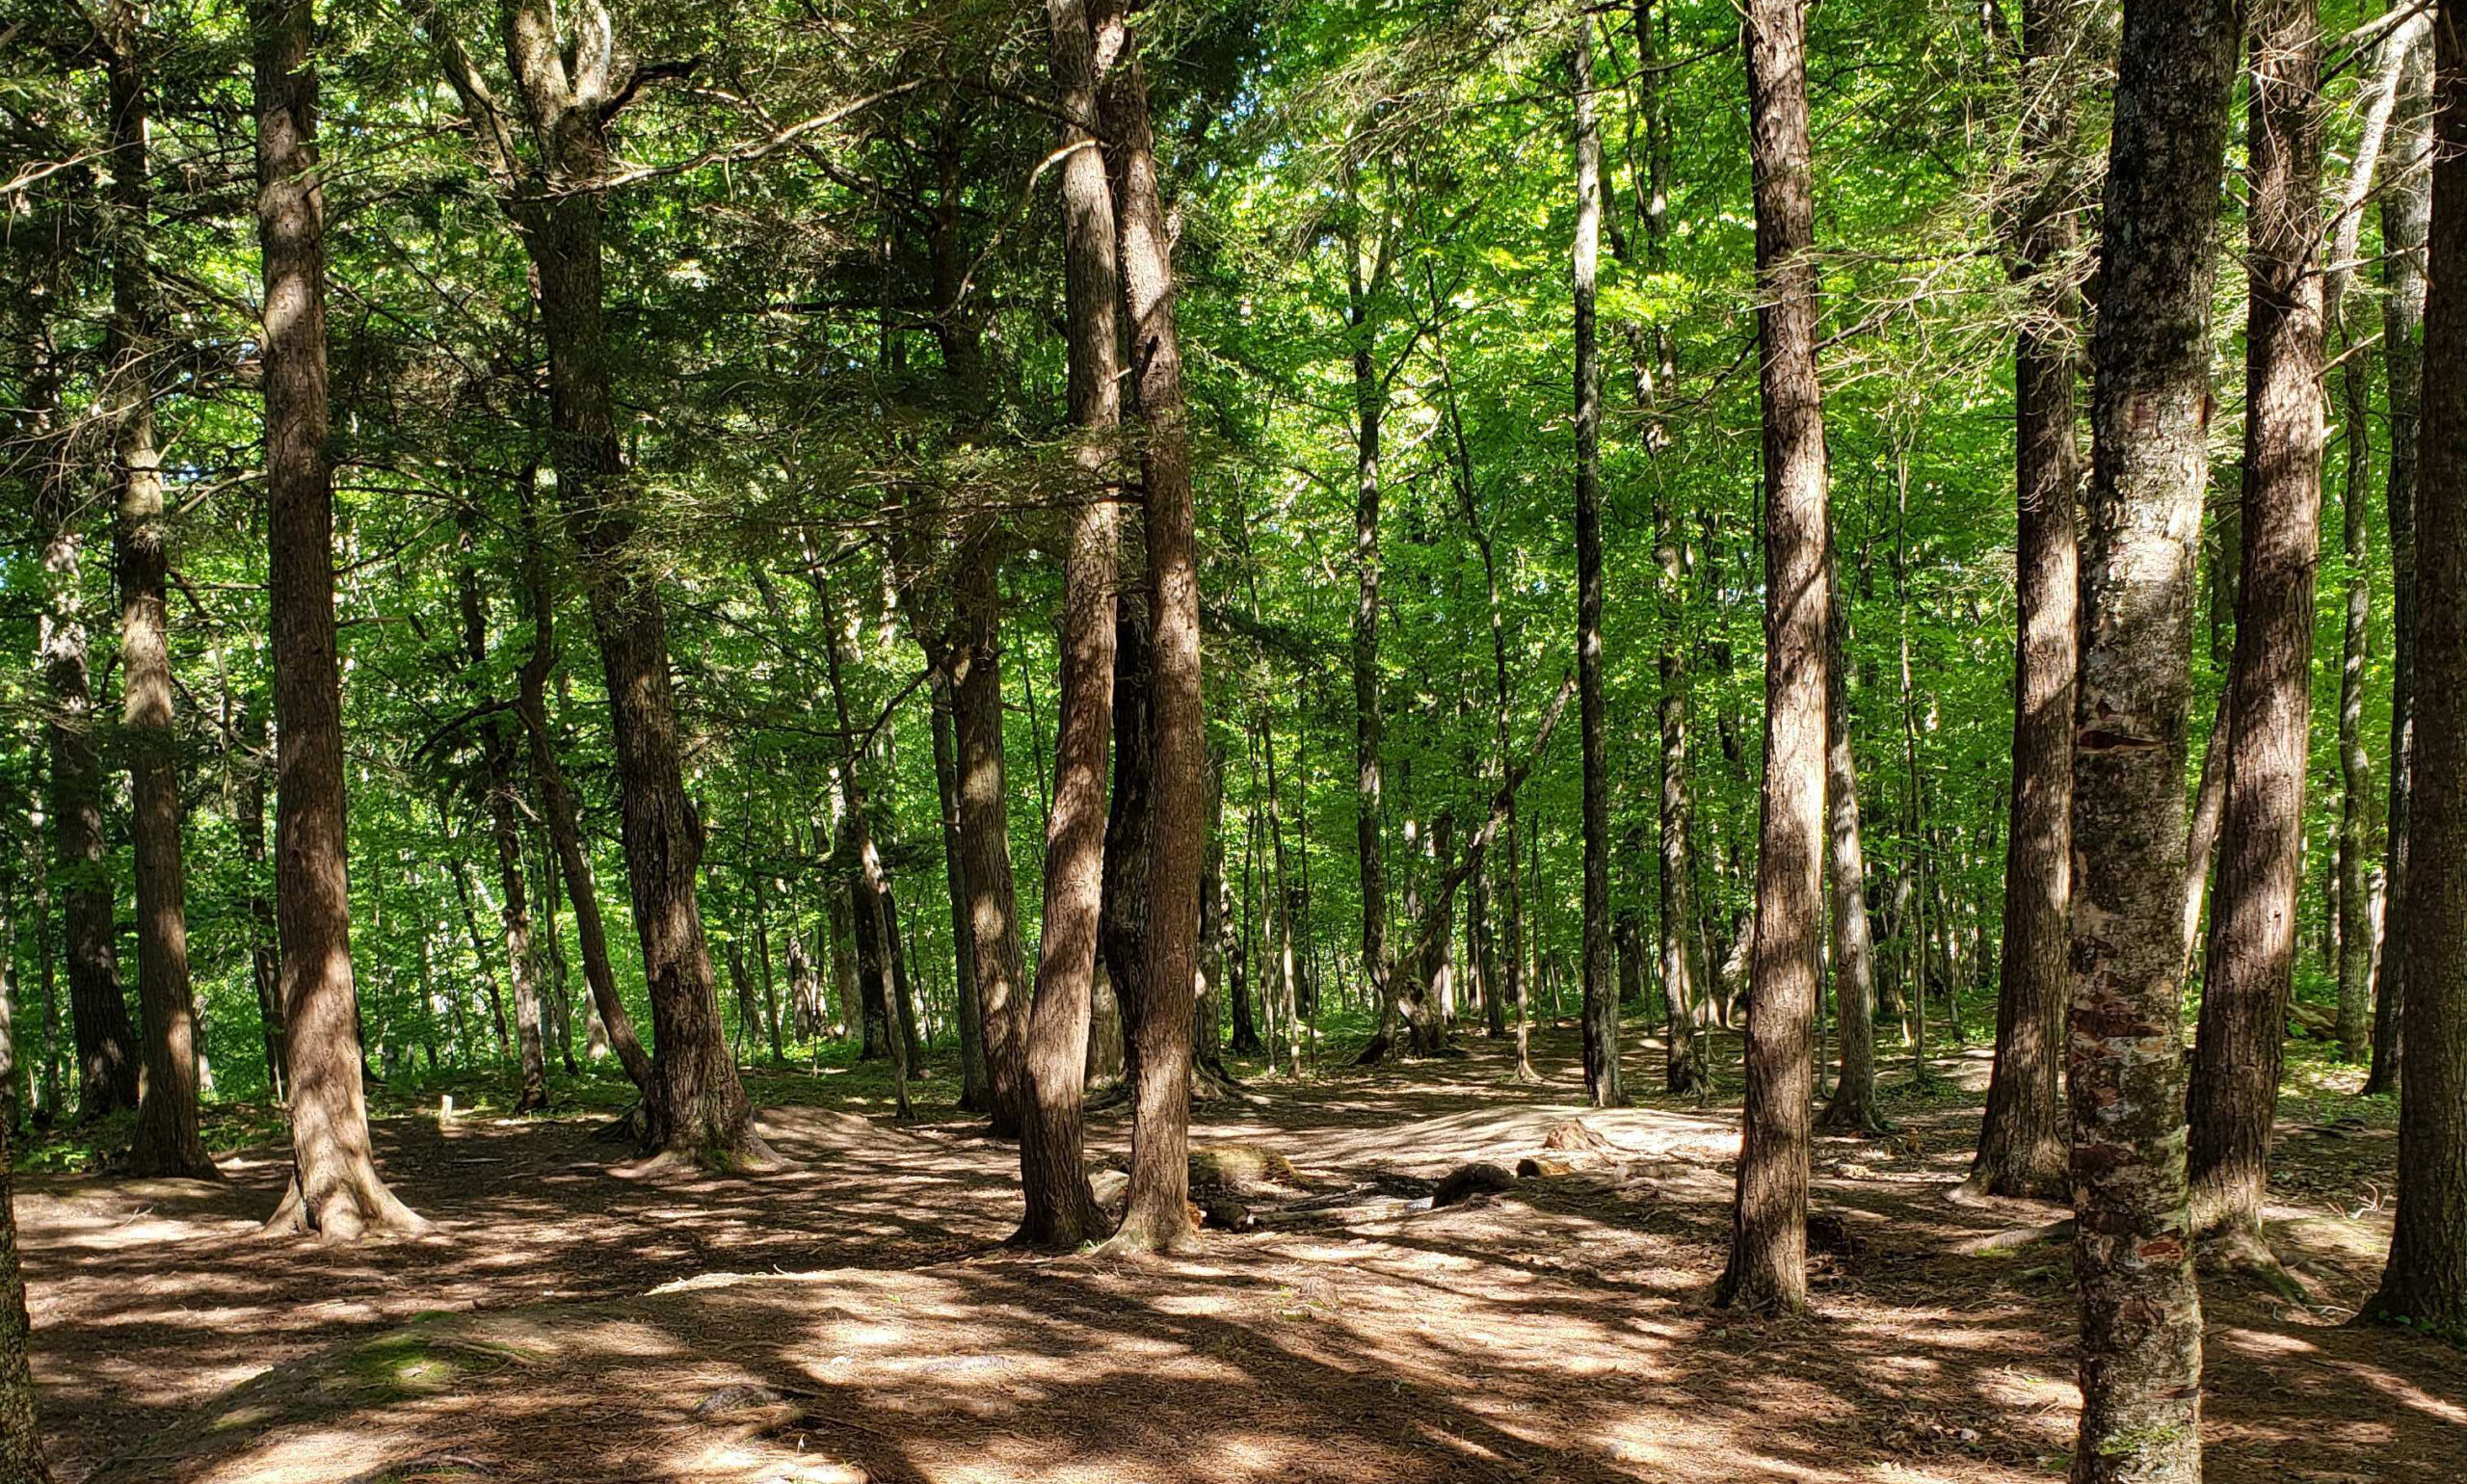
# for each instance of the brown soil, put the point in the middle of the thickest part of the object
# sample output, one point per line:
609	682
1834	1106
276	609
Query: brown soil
855	1317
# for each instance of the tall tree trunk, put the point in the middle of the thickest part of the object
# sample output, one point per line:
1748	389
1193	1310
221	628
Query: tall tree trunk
1601	994
1061	1209
20	1444
1853	1106
2021	1144
2424	1285
871	908
974	1095
2251	957
167	1139
1157	1216
335	1191
2406	217
248	731
514	908
1768	1230
985	839
2149	411
612	1030
106	1040
1369	407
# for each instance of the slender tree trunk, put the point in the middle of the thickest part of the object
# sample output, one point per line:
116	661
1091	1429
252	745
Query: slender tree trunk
876	928
2140	1365
2021	1143
2406	215
1768	1233
975	1094
1601	994
984	840
335	1191
513	909
1853	1104
612	1030
167	1139
2424	1285
2253	914
1157	1216
1061	1209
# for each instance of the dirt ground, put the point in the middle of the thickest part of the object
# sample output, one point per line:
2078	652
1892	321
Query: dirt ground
856	1318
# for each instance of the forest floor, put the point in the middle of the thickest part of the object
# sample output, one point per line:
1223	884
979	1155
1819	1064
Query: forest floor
856	1318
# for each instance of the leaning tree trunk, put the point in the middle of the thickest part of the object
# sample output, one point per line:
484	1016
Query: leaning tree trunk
335	1191
2424	1285
2021	1144
2251	957
611	1027
1061	1209
1852	1108
1601	995
1768	1229
2406	214
167	1140
2140	1363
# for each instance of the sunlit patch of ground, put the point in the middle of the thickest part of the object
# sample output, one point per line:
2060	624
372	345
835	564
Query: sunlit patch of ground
855	1316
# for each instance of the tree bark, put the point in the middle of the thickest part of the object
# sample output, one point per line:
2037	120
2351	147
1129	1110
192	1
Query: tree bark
167	1139
335	1191
1061	1209
985	839
2140	1367
2425	1284
1852	1108
20	1443
1768	1231
513	909
1601	992
2406	215
975	1094
2251	957
2021	1144
870	890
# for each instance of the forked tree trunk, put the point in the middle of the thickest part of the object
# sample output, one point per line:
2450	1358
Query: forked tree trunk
167	1140
2021	1144
2406	215
1061	1209
335	1191
2252	919
2140	1365
2424	1285
1601	994
1768	1229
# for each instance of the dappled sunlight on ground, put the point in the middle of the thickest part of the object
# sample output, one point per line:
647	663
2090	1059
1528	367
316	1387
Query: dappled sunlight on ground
855	1316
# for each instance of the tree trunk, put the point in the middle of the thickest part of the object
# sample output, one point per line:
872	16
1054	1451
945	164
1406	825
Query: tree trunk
2251	958
335	1191
2424	1285
2021	1144
2140	1363
1852	1108
1768	1234
249	822
513	909
2406	215
1601	994
20	1445
975	1097
985	839
1061	1209
612	1030
881	996
167	1139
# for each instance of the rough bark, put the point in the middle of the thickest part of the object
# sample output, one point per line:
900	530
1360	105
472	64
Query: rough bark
2251	955
1852	1109
167	1139
20	1444
2141	1366
1601	994
2021	1143
2425	1284
2406	217
1061	1209
985	839
335	1191
975	1094
1767	1266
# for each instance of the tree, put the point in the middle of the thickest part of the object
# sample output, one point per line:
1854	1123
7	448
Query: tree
335	1191
2425	1284
1769	1225
2021	1147
1601	995
1852	1109
985	842
2141	1362
2251	957
20	1445
1061	1209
